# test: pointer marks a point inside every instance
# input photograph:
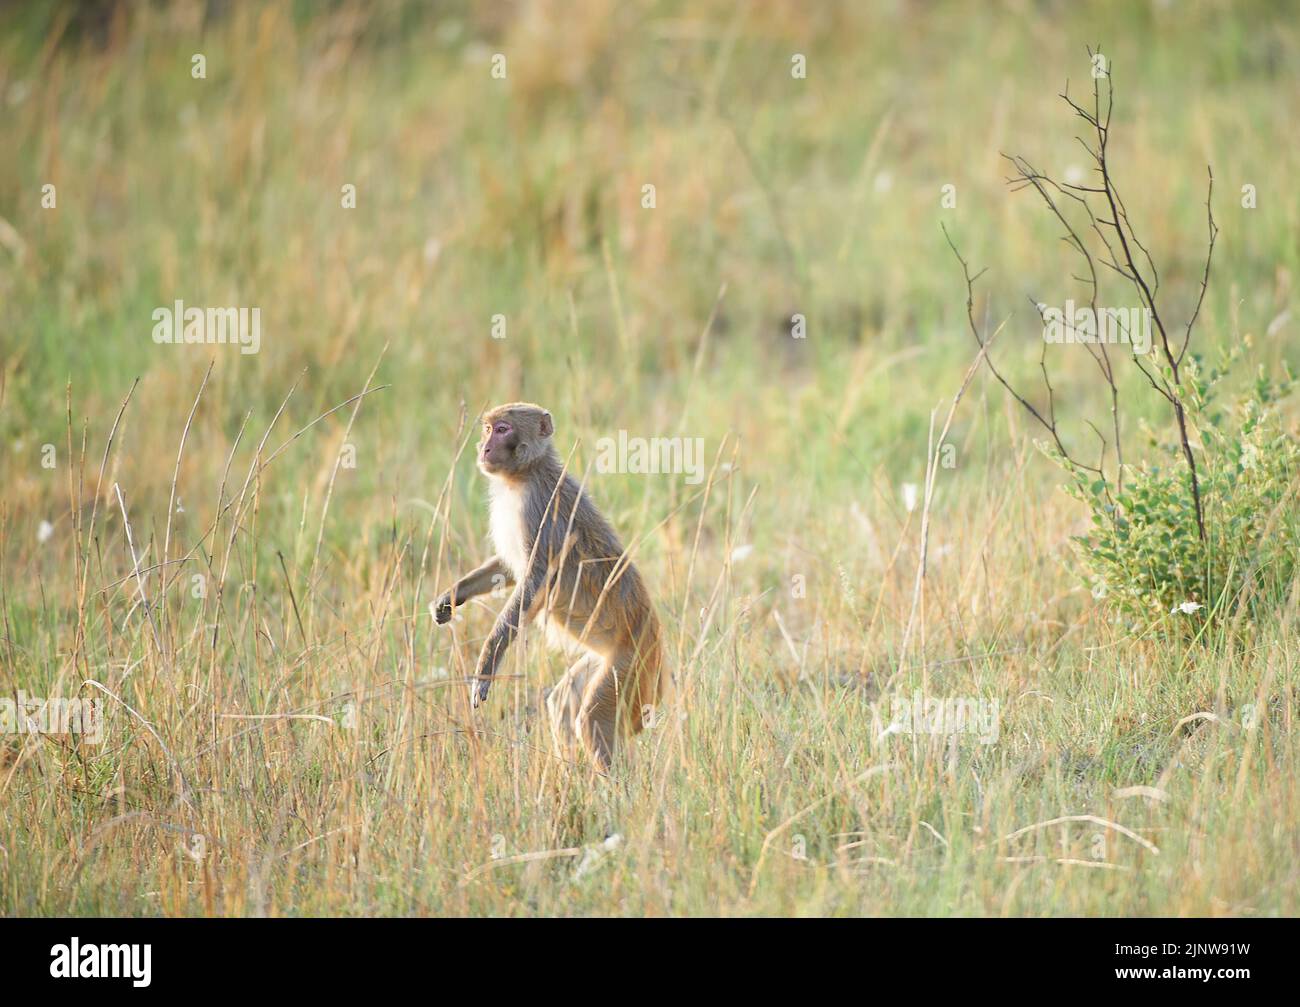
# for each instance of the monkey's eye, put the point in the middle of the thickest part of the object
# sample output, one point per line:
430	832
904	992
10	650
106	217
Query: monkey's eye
503	428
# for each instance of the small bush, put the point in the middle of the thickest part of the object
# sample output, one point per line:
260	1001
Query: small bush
1144	555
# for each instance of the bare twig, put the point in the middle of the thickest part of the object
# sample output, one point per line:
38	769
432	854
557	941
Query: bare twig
1112	228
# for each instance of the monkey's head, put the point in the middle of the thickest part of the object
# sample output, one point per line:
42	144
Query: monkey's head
515	437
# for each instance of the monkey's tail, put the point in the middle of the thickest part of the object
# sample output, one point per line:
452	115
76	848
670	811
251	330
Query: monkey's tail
653	677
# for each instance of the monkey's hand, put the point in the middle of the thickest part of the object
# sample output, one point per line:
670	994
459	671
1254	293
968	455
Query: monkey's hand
486	670
442	609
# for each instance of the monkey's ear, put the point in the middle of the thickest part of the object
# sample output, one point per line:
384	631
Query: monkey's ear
546	427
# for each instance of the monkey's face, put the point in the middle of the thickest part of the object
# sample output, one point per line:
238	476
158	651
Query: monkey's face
499	449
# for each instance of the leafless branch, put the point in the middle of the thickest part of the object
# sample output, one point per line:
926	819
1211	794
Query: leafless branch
1113	229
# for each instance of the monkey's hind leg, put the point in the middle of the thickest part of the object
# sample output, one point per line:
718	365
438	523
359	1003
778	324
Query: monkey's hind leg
598	720
564	703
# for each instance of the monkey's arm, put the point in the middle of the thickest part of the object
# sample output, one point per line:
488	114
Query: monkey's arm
488	577
508	622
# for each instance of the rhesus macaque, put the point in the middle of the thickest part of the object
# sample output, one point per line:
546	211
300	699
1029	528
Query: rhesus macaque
570	574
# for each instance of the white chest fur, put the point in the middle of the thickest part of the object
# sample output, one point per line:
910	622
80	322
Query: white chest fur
508	526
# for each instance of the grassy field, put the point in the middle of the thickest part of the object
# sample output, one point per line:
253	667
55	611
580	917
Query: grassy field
285	730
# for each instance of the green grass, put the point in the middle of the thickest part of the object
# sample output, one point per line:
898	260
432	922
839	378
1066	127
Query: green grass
522	197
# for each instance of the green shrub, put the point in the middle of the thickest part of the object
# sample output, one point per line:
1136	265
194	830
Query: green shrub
1144	556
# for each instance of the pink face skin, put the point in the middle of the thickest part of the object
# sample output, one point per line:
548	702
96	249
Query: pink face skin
497	448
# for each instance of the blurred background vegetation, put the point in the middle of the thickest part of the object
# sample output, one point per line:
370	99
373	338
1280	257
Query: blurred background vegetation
522	197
